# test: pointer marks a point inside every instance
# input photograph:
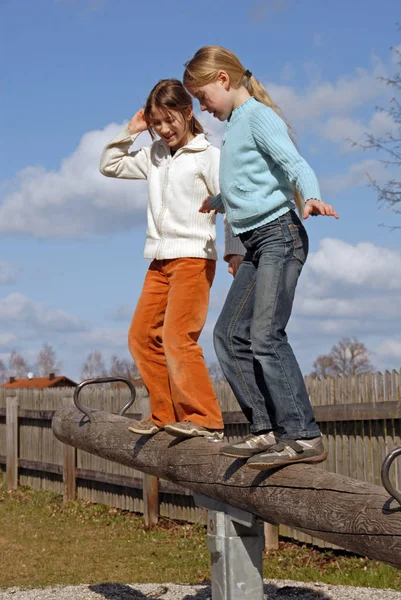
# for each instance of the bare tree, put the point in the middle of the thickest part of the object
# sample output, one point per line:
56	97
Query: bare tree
17	365
389	145
215	372
3	372
46	361
94	366
348	357
120	367
323	366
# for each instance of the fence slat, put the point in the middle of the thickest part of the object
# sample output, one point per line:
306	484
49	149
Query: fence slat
271	536
12	442
69	466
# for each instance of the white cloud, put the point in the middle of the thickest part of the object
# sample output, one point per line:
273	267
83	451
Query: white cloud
76	200
348	290
325	98
102	338
214	129
396	55
17	309
343	130
7	273
363	264
389	348
356	175
329	110
340	129
7	340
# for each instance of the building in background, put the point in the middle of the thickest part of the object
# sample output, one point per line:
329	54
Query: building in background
39	383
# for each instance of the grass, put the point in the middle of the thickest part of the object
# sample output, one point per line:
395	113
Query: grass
44	542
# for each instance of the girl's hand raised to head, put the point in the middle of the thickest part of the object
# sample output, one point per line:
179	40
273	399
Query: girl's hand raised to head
138	122
318	207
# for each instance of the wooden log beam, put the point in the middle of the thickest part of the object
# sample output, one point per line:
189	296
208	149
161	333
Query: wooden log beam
352	514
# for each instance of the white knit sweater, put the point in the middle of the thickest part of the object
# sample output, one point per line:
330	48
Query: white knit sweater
177	186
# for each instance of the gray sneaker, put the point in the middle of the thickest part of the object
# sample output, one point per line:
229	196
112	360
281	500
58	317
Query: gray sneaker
252	444
144	427
188	429
287	452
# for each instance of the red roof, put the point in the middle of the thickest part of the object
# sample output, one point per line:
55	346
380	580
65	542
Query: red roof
39	382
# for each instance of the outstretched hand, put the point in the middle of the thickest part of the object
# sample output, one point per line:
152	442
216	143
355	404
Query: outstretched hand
318	207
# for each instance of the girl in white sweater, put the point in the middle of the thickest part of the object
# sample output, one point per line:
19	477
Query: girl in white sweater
182	168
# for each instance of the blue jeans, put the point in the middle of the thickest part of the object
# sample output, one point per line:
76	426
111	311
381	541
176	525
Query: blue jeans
250	339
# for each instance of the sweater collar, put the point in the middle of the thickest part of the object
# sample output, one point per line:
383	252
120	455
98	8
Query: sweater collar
241	109
198	143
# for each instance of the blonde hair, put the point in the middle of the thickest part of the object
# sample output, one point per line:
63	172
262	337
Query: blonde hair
170	94
203	69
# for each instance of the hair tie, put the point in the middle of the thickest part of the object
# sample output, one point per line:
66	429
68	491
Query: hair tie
248	74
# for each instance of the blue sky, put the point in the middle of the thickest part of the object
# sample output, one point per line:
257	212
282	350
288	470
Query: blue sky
71	244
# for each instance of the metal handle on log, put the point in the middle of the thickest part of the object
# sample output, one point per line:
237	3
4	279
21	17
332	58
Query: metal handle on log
81	385
385	474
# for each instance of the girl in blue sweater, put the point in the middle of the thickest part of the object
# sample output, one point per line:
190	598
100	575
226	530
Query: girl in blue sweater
262	178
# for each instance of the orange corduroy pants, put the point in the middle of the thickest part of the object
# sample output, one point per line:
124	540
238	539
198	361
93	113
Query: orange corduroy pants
163	336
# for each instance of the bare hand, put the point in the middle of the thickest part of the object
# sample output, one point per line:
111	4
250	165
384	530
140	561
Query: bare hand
234	263
318	207
138	122
204	207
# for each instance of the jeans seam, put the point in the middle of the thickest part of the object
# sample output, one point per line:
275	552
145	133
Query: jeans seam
238	370
285	377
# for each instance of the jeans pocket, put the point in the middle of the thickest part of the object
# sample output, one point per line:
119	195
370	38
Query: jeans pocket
299	241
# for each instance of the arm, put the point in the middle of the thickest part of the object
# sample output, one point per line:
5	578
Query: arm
271	136
210	173
116	161
233	248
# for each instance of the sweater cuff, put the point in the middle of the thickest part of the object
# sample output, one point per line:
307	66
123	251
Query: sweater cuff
310	189
216	203
233	245
133	136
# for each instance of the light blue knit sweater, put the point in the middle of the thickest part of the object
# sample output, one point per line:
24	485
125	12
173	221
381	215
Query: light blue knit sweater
259	165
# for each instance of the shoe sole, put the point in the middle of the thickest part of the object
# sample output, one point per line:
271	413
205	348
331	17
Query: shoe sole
235	454
282	462
244	453
189	433
144	432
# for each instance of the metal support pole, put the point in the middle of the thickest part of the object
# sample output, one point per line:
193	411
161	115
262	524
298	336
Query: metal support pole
235	540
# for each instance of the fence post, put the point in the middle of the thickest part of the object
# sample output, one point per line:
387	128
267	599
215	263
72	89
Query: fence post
69	466
150	499
150	483
271	536
12	442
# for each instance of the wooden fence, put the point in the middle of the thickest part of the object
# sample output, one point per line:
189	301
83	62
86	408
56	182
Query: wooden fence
360	418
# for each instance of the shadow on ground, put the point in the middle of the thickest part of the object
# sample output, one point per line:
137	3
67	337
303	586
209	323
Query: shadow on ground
118	591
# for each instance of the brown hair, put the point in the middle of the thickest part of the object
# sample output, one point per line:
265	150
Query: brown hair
203	69
168	95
